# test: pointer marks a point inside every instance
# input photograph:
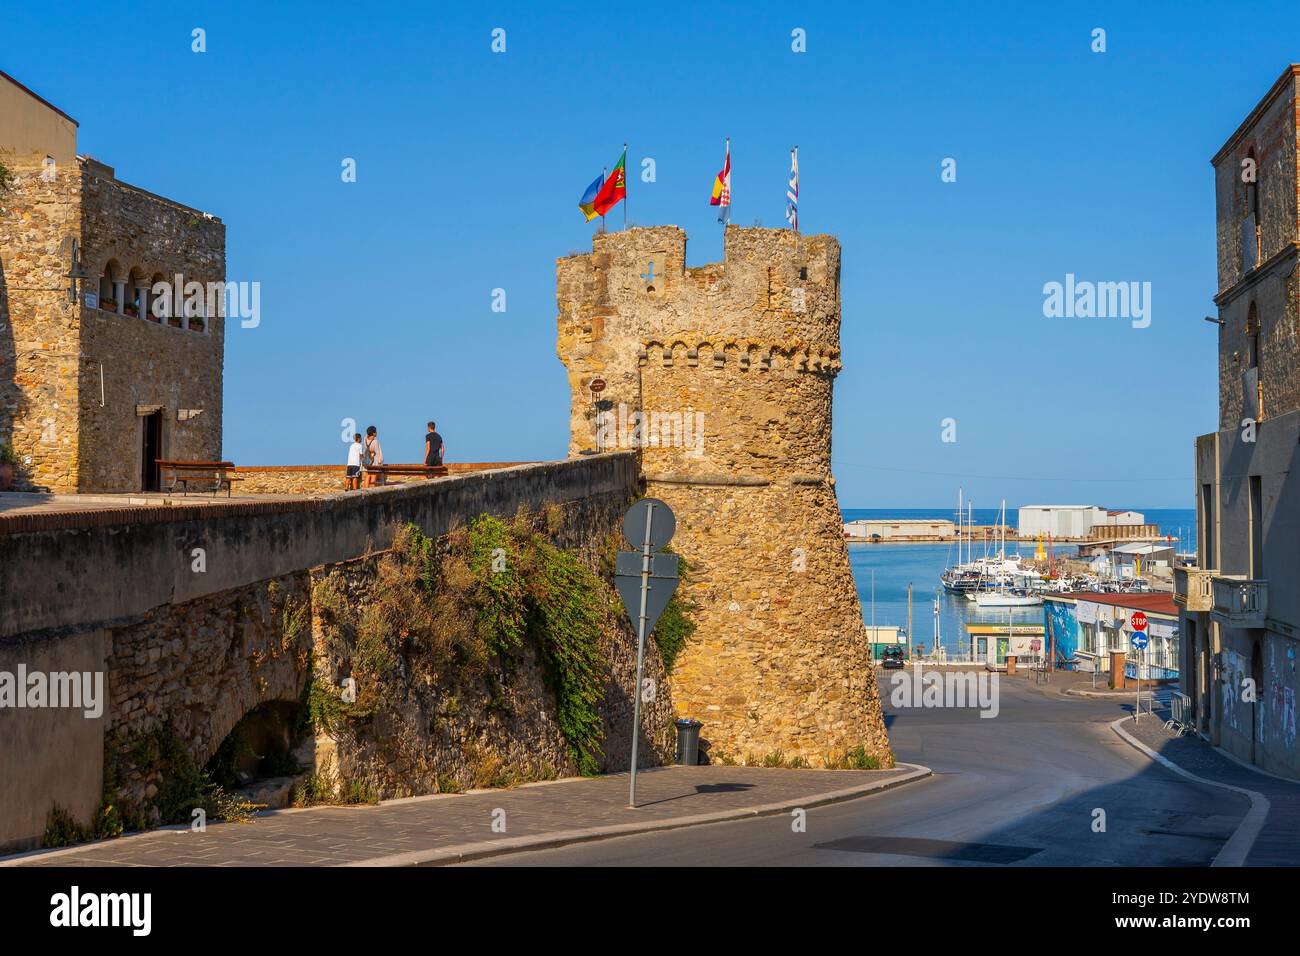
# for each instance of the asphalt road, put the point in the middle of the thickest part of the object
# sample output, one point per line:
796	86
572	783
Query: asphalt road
1020	789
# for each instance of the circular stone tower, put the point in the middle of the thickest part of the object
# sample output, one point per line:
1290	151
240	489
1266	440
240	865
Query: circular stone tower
720	377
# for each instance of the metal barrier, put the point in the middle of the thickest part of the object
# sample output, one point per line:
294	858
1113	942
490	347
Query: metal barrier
1180	712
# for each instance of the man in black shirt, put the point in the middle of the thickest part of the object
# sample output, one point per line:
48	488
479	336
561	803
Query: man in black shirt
433	447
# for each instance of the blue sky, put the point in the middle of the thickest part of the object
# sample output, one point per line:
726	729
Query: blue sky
376	294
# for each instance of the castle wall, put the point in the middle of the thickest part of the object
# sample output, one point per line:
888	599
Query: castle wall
145	364
197	650
780	660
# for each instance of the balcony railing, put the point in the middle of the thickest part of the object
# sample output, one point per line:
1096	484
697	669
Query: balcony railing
1240	601
1192	589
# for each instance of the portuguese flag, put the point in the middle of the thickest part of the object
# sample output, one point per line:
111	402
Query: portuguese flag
615	188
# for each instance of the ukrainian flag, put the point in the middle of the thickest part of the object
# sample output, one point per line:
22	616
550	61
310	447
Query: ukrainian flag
588	201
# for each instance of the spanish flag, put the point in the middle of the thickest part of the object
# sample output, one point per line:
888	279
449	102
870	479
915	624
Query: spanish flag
615	188
722	189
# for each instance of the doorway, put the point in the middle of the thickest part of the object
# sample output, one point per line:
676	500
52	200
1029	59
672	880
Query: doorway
150	451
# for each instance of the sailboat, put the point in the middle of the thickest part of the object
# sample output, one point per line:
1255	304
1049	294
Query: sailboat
1007	583
965	575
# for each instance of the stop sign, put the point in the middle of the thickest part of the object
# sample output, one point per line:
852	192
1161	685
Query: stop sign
1138	621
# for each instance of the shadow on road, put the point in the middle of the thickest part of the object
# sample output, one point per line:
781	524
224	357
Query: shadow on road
705	788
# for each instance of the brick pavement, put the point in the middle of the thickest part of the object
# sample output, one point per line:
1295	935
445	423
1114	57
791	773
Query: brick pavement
447	828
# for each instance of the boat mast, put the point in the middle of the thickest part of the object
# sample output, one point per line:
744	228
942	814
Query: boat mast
960	535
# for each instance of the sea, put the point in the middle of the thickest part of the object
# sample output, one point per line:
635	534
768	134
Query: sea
892	567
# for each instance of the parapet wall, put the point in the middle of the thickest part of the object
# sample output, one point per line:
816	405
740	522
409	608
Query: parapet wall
73	568
326	479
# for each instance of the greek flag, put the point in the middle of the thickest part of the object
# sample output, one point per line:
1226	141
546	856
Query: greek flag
792	193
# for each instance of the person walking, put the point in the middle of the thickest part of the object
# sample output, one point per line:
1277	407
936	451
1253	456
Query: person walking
352	479
433	446
374	457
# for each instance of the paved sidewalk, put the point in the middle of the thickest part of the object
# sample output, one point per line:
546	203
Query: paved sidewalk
1270	834
454	827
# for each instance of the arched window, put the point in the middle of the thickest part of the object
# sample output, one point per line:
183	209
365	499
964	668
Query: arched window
133	301
1251	235
1252	382
108	286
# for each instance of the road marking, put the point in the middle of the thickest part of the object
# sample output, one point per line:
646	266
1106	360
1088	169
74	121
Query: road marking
1239	845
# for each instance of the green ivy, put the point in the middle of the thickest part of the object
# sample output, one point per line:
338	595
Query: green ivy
550	598
675	627
499	596
566	614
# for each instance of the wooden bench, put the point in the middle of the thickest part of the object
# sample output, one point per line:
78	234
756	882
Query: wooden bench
209	474
406	471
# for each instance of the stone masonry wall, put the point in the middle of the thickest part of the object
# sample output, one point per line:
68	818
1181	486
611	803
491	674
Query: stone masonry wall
1263	300
146	363
39	327
197	650
73	379
780	660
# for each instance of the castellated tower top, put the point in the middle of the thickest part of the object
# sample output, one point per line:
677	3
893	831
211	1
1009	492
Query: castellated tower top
773	288
672	338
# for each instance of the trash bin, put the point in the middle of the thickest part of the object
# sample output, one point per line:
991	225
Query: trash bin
688	741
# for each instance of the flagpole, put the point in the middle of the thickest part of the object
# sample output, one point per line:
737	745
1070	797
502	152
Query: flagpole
625	187
794	156
726	188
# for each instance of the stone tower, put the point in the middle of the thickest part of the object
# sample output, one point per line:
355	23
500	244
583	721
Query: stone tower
721	375
94	386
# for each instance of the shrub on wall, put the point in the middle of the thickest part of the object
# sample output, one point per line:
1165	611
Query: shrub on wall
462	608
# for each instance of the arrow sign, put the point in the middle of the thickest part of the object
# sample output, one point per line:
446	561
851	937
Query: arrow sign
1139	640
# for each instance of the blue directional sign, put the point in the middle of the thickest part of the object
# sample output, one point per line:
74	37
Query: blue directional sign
1139	640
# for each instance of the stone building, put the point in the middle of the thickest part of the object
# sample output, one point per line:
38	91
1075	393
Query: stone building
1240	608
721	376
94	385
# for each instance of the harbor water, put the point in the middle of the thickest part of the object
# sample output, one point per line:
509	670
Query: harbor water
920	564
